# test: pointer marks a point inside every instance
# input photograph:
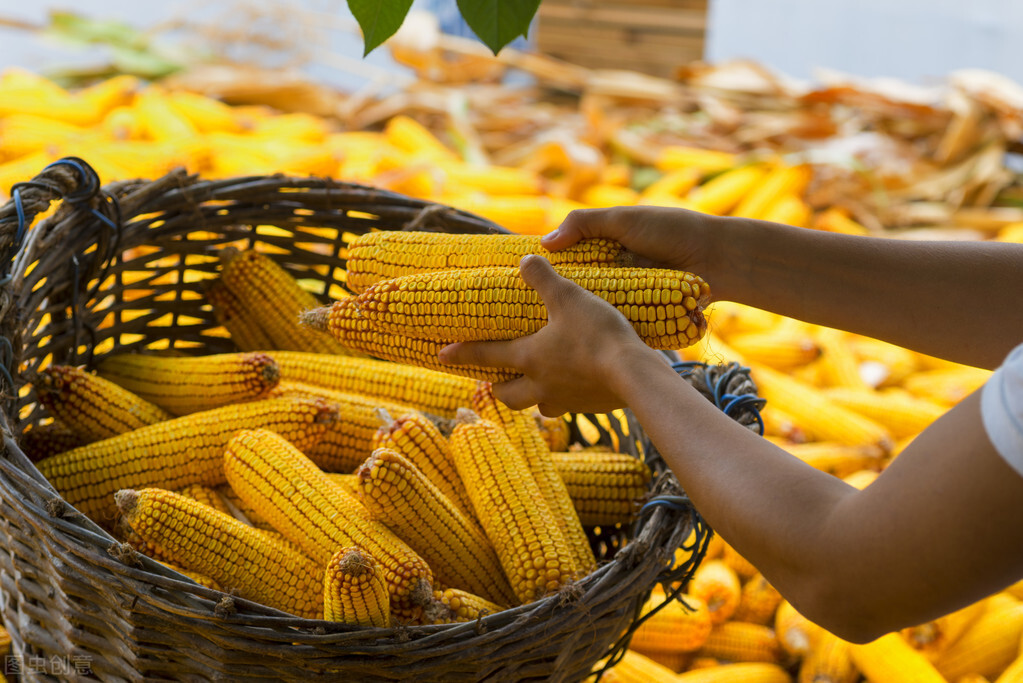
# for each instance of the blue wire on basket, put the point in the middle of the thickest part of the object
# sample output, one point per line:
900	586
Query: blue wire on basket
728	403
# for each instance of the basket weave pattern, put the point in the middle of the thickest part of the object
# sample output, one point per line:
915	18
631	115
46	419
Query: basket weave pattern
122	269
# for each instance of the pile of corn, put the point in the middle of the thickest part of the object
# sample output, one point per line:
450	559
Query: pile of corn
844	403
331	485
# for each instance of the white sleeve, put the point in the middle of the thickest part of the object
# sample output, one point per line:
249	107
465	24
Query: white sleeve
1001	409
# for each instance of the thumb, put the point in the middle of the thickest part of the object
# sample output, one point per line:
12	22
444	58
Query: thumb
554	290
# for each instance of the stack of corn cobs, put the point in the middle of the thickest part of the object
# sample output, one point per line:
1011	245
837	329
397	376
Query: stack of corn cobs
309	473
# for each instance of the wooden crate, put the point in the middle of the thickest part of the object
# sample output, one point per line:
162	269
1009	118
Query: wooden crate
650	36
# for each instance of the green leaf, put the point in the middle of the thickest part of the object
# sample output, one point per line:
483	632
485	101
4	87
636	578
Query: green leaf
378	19
498	22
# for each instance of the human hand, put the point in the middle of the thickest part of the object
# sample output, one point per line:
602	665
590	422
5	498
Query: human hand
573	363
661	237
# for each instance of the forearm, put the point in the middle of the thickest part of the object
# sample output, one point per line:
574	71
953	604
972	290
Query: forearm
948	299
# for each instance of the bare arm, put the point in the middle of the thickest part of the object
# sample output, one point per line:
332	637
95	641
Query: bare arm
954	300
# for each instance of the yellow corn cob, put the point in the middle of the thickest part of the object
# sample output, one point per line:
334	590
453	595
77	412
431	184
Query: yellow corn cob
796	634
205	113
182	385
524	435
742	567
396	493
778	423
758	602
110	93
897	410
836	220
721	194
206	495
748	672
453	605
605	488
240	321
680	626
354	591
739	641
343	321
989	644
175	453
946	386
830	661
635	667
823	418
160	120
199	578
437	393
839	365
349	482
974	678
937	635
673	184
781	180
241	510
276	299
414	138
861	479
309	509
1012	673
676	156
1016	590
347	442
43	441
420	440
888	364
727	318
387	254
93	407
554	430
246	561
517	519
600	195
836	459
890	658
718	586
789	210
493	180
779	349
665	307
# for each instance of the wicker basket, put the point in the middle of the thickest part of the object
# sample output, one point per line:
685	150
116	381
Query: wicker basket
121	268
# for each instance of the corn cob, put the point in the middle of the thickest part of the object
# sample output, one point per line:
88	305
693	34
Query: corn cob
665	307
718	586
246	561
861	479
301	502
43	441
554	430
708	160
728	318
524	435
605	488
672	185
387	254
420	440
507	501
721	194
739	641
437	393
396	493
779	349
778	423
821	417
347	442
343	321
989	644
241	322
199	578
91	406
241	510
796	634
781	180
1014	672
788	209
890	658
946	386
349	482
758	601
175	453
836	459
747	672
839	365
274	298
682	625
453	605
635	667
742	567
1016	590
897	410
830	661
182	385
203	494
935	636
890	363
354	592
